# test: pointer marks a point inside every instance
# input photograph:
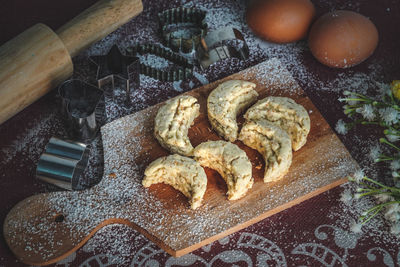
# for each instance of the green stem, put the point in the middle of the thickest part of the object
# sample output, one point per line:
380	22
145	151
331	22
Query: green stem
361	96
370	123
372	192
384	141
391	131
367	185
356	99
377	183
381	205
384	158
372	215
386	105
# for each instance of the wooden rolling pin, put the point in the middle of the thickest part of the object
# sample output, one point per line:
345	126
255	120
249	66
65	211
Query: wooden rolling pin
39	59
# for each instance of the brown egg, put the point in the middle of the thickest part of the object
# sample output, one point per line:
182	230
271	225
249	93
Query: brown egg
342	39
280	21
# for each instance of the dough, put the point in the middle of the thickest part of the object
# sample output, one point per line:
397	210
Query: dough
172	124
182	173
285	113
273	143
227	101
230	162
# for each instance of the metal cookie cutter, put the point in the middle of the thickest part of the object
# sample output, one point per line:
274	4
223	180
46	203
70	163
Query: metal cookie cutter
207	54
83	109
115	64
62	163
182	28
182	69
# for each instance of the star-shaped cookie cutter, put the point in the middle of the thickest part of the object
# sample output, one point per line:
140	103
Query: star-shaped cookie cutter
82	108
116	65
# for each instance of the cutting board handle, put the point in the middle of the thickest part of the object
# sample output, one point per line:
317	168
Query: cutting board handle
39	232
31	220
96	22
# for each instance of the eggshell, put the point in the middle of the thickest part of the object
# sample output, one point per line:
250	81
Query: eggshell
342	39
280	21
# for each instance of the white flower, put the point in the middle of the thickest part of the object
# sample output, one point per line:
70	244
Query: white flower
383	198
395	165
349	96
395	174
346	196
367	111
375	152
392	217
389	115
352	102
341	127
357	196
347	93
395	228
384	88
356	227
364	213
392	138
358	176
393	208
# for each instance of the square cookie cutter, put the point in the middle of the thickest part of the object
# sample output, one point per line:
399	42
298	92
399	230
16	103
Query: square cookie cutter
82	108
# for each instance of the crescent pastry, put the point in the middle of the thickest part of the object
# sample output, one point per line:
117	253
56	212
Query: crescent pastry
230	162
227	101
273	143
172	123
285	113
182	173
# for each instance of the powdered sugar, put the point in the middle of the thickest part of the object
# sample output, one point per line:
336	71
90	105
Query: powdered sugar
154	61
27	142
117	242
121	197
220	13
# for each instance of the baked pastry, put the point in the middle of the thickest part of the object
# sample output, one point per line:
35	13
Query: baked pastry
230	162
273	143
182	173
285	113
173	121
225	102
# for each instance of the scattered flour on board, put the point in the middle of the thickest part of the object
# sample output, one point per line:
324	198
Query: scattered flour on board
121	188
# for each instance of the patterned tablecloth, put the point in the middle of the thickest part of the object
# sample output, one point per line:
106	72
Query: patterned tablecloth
316	232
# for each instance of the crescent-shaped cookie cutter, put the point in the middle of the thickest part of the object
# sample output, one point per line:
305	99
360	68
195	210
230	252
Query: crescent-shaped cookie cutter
182	28
62	163
82	108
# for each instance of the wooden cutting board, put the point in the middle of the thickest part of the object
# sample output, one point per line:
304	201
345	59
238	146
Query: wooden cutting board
48	227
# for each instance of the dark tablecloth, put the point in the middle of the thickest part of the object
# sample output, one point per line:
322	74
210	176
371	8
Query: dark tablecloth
314	233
